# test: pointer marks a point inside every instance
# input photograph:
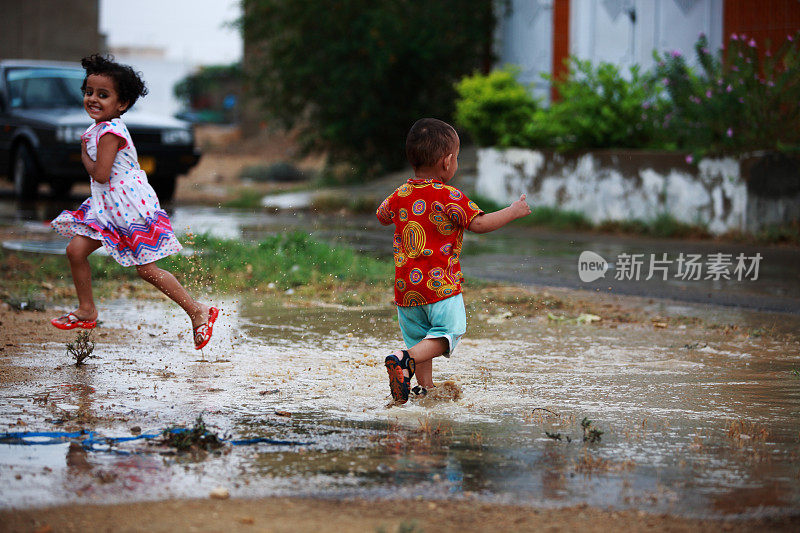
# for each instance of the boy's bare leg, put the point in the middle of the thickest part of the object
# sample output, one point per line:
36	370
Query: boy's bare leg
78	251
424	373
169	285
422	353
427	349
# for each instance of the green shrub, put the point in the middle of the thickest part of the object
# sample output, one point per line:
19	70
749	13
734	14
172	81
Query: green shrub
280	171
207	92
735	103
599	108
494	108
354	75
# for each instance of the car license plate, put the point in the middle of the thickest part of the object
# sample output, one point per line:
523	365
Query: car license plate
147	163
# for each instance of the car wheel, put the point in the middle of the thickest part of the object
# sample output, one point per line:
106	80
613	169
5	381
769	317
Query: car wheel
24	173
164	187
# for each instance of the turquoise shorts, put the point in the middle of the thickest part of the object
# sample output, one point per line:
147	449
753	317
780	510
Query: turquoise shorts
445	318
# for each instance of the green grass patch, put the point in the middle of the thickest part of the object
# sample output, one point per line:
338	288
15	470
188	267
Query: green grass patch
288	260
280	171
662	226
246	199
281	262
335	201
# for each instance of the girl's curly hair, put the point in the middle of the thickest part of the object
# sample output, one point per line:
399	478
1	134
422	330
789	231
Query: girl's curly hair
129	83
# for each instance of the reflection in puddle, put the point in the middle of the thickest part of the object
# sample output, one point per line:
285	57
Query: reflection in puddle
694	421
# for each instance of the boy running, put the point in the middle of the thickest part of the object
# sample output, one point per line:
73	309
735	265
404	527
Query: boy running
430	217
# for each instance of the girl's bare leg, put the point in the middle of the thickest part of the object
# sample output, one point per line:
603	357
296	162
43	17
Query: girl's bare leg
78	251
169	285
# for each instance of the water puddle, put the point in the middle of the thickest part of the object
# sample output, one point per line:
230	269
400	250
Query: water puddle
694	421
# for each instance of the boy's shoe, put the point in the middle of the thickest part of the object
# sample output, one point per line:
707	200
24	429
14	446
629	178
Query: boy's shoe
398	383
408	364
422	391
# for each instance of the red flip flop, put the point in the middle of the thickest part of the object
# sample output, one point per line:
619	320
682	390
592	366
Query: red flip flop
203	332
72	322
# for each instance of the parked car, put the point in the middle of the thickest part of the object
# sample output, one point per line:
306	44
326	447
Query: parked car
42	119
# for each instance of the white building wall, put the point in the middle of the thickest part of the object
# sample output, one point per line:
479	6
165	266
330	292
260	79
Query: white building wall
525	39
625	32
622	32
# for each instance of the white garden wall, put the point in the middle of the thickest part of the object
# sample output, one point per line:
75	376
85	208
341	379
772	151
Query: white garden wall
620	185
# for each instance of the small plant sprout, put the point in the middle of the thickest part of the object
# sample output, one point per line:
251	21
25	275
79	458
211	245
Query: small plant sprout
195	439
557	436
82	347
590	434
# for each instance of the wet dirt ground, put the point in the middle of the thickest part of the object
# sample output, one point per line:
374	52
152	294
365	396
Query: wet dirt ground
697	420
697	404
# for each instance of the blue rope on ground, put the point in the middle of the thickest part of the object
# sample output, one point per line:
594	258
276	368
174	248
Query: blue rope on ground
89	439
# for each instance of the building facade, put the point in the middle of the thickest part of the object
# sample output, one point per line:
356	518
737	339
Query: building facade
49	29
539	35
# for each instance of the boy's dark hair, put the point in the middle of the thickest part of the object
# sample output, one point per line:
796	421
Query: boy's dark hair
129	84
428	140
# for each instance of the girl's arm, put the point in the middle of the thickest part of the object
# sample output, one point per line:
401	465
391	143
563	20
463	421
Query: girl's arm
107	148
492	221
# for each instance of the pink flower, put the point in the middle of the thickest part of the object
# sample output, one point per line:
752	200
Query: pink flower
708	93
734	37
770	83
789	38
689	159
752	43
728	88
729	132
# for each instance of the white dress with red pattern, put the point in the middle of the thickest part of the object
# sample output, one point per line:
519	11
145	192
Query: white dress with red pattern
124	214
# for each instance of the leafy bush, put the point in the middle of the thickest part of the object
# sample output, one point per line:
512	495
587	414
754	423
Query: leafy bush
494	108
599	108
355	74
737	101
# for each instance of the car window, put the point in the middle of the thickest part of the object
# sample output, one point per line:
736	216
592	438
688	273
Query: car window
44	87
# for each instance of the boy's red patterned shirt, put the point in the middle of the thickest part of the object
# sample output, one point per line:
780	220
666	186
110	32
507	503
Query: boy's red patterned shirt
429	218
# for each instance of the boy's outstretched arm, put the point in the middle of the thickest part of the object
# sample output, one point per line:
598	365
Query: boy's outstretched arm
492	221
